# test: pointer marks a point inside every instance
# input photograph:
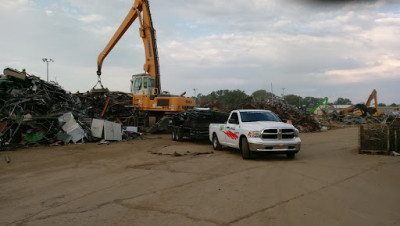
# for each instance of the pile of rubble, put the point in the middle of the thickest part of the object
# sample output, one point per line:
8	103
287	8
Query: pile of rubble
33	111
330	115
108	105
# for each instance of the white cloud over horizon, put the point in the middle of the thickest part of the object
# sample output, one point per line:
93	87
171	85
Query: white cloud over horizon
334	50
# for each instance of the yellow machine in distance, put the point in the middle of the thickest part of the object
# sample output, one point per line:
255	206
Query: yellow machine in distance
148	99
363	109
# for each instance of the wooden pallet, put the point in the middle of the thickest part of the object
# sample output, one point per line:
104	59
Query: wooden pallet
374	152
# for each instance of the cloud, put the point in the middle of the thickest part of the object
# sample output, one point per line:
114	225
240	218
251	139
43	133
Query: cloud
49	12
324	50
386	68
91	18
13	5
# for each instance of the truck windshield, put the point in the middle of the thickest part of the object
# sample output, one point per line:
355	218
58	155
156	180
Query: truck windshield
254	116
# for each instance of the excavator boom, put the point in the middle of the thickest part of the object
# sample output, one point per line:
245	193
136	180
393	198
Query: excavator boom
140	9
147	99
372	97
319	104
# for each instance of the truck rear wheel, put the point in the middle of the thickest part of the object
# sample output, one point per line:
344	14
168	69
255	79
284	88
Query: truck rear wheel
216	144
179	134
244	147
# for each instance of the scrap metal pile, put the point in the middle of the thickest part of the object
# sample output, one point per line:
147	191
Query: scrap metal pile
107	105
352	119
331	115
33	111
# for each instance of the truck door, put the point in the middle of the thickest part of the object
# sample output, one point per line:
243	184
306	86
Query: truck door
232	130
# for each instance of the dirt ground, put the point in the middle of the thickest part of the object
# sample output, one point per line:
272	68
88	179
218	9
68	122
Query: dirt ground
186	183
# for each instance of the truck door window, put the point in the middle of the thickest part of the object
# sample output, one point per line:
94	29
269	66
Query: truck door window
234	119
138	84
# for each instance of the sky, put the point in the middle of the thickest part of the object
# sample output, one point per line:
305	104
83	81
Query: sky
318	48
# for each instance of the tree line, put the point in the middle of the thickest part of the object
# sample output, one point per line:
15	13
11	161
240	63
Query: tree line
231	99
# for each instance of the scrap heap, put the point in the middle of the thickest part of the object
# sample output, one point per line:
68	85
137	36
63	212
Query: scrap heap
33	111
107	105
30	108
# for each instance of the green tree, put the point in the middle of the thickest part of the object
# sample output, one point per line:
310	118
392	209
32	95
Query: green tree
394	105
382	105
234	98
261	95
342	101
293	100
311	101
230	99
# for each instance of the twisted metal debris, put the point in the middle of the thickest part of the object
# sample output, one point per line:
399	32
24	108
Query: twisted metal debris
32	111
30	107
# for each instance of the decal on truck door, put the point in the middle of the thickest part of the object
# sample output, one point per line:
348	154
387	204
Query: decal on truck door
231	135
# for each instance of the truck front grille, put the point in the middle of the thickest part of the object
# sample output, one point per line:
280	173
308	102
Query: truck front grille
278	134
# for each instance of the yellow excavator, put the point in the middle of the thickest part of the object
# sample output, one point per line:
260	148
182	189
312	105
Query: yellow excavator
363	109
148	99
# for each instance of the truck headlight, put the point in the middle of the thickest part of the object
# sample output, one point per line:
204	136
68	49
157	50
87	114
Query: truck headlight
296	133
254	134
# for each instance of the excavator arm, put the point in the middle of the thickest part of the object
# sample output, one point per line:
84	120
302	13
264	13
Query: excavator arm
372	97
141	10
375	111
319	104
363	109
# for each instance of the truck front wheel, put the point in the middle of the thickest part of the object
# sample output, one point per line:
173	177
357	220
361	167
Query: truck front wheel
216	144
245	148
179	134
290	155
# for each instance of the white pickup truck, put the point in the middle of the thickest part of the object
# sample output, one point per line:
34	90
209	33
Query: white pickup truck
255	131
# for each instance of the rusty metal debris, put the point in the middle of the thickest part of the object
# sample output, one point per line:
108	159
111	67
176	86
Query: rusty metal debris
107	105
33	111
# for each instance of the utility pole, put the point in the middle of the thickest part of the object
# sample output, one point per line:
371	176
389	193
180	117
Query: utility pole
195	91
195	96
47	61
272	92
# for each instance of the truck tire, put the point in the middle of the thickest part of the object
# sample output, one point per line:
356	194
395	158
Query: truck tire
179	135
244	147
215	142
290	155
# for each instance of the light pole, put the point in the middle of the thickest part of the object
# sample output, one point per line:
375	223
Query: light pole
47	62
195	95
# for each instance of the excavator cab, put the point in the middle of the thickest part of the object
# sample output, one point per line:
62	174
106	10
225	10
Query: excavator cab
143	84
